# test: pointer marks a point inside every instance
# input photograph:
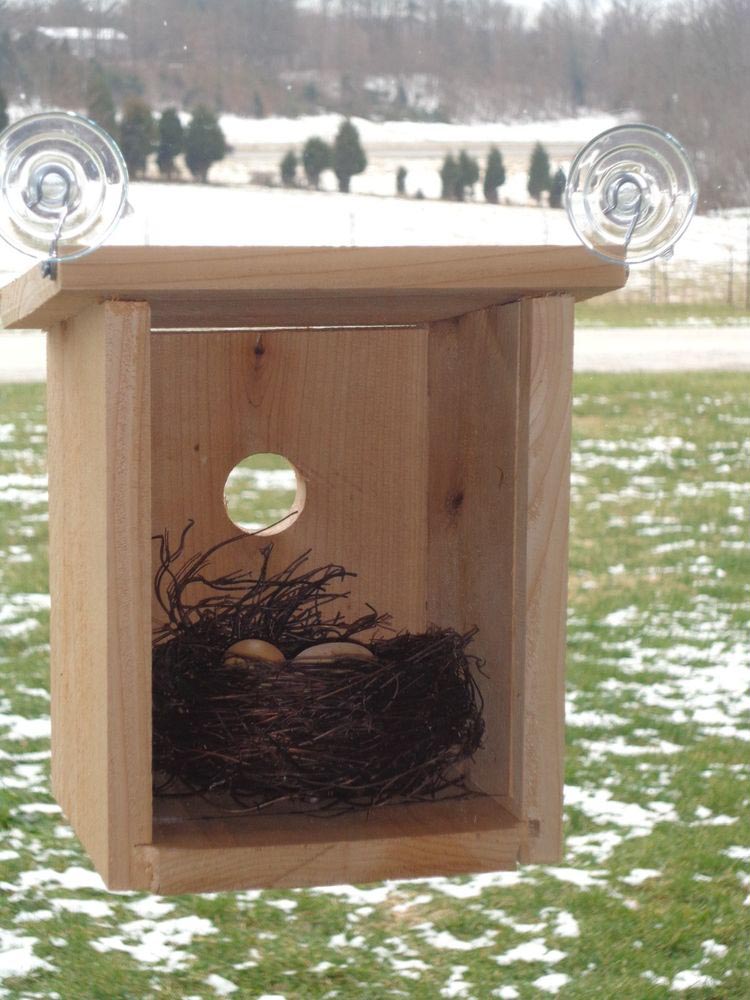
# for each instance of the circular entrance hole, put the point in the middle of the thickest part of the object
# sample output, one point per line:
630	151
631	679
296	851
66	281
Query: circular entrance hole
264	494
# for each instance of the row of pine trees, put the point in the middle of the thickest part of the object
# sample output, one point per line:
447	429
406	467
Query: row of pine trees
458	175
345	157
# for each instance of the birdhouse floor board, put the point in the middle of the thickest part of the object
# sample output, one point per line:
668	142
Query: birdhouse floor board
401	841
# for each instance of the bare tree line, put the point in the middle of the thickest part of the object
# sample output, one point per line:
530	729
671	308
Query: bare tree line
682	65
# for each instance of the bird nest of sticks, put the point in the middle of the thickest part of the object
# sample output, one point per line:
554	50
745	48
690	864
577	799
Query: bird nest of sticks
392	723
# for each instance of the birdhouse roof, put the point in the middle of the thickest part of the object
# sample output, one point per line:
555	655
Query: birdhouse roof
224	287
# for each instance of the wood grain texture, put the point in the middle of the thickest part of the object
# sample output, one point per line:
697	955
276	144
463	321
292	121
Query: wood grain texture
440	838
476	519
98	415
547	338
285	286
346	408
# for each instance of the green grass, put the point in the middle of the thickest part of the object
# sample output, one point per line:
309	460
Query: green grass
657	766
607	311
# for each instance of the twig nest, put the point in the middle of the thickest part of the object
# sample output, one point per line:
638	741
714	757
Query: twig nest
252	649
324	652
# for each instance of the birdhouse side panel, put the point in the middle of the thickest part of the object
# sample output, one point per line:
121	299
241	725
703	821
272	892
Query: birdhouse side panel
99	472
547	337
477	519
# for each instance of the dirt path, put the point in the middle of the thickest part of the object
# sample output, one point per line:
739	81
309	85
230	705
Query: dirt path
677	348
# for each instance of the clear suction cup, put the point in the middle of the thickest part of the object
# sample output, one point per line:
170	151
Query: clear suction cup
63	186
631	193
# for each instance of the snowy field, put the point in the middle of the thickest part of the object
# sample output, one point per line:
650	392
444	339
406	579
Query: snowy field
652	898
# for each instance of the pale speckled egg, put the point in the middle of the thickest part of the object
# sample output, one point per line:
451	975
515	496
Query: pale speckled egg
252	649
334	651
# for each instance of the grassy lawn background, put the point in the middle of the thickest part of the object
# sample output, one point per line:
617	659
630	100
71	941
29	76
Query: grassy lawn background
653	898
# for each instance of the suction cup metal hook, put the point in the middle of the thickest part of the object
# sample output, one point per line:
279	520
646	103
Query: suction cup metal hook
55	183
637	209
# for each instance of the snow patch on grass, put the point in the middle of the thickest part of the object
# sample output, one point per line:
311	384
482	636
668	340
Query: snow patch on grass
17	956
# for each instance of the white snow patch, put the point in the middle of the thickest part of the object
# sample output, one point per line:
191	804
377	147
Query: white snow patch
150	907
577	876
531	951
707	818
652	977
738	853
25	729
625	616
713	949
152	943
342	941
553	982
689	979
600	845
46	808
418	900
590	719
17	956
456	986
33	916
600	807
31	602
72	878
222	987
565	924
355	896
95	908
475	886
445	941
640	875
618	746
287	905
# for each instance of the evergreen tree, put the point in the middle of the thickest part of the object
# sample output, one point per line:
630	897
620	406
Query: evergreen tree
100	105
348	156
449	178
204	143
136	135
171	142
401	180
3	111
468	175
539	176
288	169
557	189
316	157
494	175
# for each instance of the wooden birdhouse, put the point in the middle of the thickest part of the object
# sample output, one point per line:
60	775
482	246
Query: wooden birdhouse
423	396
